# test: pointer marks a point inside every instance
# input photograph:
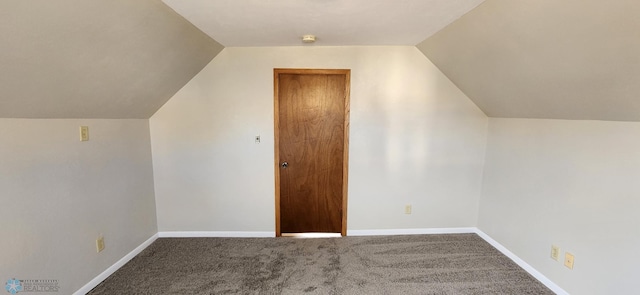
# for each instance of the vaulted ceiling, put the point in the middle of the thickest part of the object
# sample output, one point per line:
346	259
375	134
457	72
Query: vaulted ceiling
95	59
569	59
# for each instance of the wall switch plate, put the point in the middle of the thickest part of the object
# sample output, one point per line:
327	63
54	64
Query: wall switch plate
568	260
407	209
84	133
100	244
555	252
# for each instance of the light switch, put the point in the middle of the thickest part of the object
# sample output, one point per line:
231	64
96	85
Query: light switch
568	260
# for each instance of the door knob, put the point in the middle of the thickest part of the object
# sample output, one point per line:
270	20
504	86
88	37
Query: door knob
284	164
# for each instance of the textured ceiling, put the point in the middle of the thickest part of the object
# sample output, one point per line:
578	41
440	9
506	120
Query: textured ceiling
95	59
569	59
334	22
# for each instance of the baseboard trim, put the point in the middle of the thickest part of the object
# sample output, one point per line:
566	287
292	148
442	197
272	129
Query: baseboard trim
377	232
411	231
528	268
109	271
216	234
464	230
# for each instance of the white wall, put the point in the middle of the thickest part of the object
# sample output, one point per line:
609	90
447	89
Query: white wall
415	139
575	184
58	194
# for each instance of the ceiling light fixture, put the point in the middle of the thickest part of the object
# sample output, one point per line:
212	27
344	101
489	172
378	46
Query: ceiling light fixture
308	38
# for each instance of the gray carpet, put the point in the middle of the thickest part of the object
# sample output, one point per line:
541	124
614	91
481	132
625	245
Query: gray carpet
420	264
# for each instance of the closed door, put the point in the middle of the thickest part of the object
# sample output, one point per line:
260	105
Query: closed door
311	128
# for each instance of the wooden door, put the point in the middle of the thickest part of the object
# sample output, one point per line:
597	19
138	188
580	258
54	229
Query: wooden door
311	150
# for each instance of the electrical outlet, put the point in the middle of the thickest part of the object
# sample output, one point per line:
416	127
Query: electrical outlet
555	252
100	244
568	260
407	209
84	133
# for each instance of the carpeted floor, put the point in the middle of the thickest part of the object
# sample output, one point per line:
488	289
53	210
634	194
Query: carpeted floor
418	264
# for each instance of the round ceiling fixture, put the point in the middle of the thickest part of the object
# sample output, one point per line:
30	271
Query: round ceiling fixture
308	38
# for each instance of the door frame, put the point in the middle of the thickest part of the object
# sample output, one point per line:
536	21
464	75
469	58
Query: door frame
345	158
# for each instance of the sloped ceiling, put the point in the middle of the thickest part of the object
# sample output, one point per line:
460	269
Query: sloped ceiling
95	59
334	22
569	59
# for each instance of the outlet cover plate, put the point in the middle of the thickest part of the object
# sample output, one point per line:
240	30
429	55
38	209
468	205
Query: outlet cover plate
100	244
84	133
555	252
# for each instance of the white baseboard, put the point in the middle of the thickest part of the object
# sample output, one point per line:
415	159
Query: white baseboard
377	232
528	268
463	230
411	231
105	274
216	234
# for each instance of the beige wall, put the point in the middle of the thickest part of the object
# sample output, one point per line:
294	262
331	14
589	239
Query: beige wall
415	139
58	194
574	184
